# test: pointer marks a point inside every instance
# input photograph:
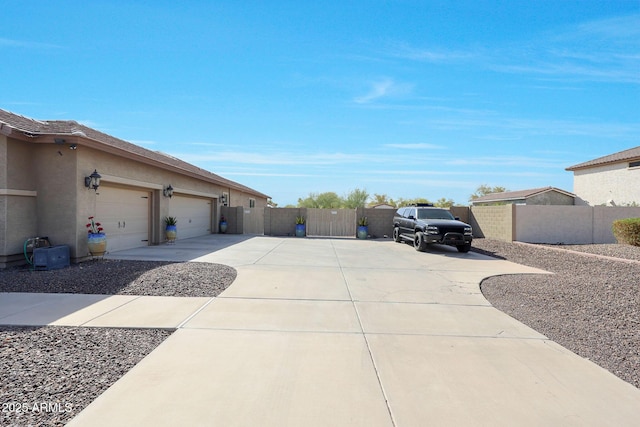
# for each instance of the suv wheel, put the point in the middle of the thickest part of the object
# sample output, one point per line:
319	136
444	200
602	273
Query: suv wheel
396	234
464	248
418	242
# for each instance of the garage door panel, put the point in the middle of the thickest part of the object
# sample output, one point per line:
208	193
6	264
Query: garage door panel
193	215
124	215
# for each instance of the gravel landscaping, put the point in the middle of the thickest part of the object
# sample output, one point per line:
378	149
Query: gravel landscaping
115	277
590	305
49	374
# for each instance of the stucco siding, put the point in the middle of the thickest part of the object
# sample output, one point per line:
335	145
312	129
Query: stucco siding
20	168
16	228
617	182
18	203
56	200
550	198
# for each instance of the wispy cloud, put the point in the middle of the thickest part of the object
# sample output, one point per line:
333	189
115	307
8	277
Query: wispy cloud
514	161
432	55
602	50
4	42
416	146
381	89
281	158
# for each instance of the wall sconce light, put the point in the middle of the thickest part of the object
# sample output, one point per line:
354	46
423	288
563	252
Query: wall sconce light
223	199
168	192
93	180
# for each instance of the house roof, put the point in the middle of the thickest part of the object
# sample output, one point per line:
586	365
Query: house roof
518	195
622	156
38	129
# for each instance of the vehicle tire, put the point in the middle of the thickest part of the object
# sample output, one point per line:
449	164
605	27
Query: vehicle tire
396	234
464	248
418	241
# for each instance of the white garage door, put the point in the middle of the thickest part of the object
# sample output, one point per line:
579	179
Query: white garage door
124	215
193	214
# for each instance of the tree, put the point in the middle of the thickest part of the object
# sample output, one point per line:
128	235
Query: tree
355	199
444	203
408	202
328	200
381	199
484	189
310	202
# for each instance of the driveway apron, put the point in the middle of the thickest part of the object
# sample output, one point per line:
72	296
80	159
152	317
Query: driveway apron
346	332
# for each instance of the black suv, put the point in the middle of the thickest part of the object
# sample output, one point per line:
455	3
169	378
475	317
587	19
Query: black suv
423	224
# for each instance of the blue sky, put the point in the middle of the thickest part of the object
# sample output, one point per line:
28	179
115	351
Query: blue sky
405	98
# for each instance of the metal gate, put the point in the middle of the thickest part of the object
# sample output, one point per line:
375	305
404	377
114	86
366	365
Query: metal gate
331	222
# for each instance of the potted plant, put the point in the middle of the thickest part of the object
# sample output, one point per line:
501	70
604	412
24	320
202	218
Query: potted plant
363	229
171	228
301	229
96	239
223	224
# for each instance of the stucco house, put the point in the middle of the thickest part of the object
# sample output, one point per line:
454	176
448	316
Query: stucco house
44	192
535	196
610	180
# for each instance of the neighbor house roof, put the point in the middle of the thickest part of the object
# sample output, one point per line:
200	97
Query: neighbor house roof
622	156
518	195
40	131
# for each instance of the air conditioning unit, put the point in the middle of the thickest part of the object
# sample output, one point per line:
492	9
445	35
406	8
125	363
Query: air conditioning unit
51	258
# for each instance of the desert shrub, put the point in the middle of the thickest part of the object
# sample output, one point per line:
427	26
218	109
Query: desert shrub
627	231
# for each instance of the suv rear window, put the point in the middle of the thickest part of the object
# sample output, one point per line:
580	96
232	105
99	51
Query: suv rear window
434	214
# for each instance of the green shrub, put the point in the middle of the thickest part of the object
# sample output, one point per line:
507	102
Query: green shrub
627	231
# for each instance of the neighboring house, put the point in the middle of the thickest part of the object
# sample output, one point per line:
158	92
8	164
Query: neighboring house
382	206
43	165
535	196
610	180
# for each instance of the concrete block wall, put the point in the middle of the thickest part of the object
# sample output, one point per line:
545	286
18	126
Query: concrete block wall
577	225
462	212
235	218
554	224
493	222
282	221
380	221
603	217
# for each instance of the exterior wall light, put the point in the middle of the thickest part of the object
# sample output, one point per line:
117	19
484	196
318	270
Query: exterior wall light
93	180
223	199
168	192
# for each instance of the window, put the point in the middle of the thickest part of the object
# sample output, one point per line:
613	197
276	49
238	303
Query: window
635	164
252	203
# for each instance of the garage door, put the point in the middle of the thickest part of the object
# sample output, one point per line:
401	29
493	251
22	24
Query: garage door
124	215
193	214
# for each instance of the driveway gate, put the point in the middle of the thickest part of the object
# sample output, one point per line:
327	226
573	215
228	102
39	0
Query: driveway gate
331	222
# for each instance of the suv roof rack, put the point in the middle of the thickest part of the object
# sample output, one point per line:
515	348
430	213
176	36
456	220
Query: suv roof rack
430	205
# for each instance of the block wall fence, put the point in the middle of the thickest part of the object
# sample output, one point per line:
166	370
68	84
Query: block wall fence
525	223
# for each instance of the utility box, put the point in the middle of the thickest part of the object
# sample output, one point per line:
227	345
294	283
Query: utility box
51	258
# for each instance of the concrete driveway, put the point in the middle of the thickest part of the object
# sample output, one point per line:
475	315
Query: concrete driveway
345	332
